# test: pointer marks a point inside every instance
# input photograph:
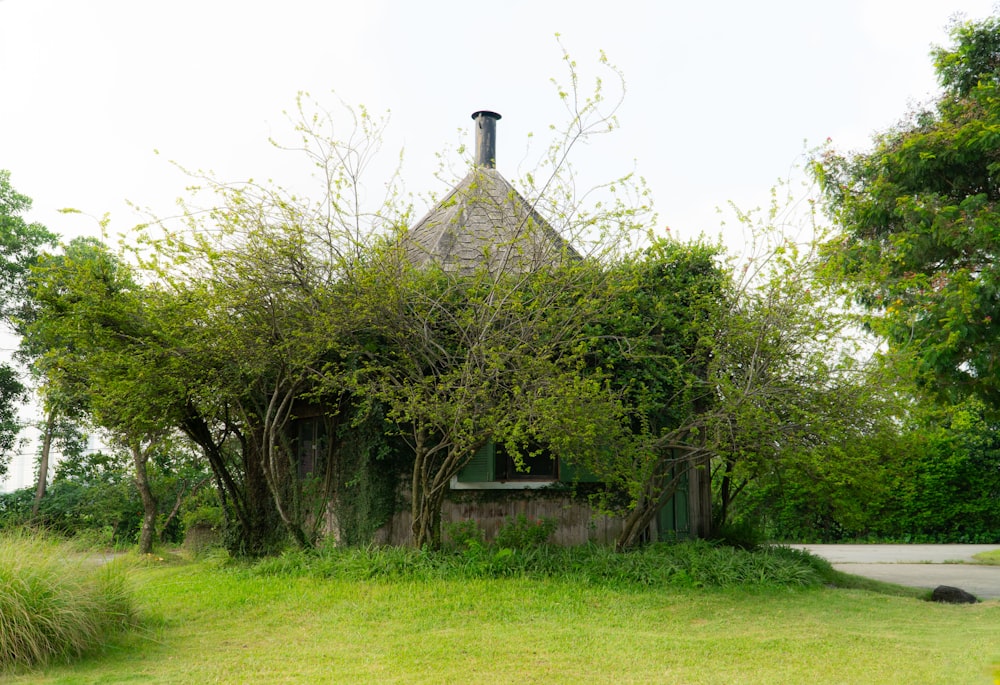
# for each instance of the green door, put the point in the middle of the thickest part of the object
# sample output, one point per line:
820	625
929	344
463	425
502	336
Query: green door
672	520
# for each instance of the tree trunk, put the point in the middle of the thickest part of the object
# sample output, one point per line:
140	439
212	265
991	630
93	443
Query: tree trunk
719	520
243	485
427	521
431	477
658	492
635	523
418	499
139	459
279	486
43	463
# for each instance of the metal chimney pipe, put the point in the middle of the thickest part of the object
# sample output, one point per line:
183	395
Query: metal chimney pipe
486	138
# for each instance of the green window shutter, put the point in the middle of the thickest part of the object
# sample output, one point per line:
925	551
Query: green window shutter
480	468
571	473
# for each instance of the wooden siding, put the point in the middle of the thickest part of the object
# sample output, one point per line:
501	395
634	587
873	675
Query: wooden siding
577	522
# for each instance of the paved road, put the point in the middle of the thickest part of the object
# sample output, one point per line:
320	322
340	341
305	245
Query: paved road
920	566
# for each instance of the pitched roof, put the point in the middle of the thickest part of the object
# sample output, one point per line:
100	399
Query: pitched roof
485	220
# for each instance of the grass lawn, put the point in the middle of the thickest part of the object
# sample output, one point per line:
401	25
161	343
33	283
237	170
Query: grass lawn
205	624
990	558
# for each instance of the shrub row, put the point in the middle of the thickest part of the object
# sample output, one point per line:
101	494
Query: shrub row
690	564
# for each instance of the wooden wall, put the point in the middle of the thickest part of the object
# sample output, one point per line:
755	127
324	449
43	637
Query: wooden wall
577	523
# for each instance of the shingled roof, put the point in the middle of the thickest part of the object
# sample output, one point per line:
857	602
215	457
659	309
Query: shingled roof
484	220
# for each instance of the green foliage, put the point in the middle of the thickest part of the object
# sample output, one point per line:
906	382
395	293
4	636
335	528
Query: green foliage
973	60
520	533
464	535
947	488
91	494
15	508
20	243
696	564
919	214
368	468
742	534
53	608
934	479
917	252
203	510
12	395
650	346
89	334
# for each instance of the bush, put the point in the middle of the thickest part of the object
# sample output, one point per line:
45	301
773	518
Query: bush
520	533
741	534
464	535
54	608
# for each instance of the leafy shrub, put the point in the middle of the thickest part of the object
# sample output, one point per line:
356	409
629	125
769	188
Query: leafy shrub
204	515
15	507
464	535
742	534
54	608
521	533
934	480
690	564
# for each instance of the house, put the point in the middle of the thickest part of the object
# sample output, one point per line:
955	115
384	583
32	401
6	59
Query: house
485	220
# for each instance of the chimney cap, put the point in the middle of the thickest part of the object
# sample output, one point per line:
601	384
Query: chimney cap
485	113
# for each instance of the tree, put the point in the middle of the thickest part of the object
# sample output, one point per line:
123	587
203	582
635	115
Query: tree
90	336
255	271
929	474
12	395
652	340
728	370
919	215
62	428
20	243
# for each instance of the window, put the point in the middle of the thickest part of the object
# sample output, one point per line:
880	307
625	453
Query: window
493	468
311	445
536	464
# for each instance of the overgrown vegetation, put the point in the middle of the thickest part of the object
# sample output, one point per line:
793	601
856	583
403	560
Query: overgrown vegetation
685	565
932	478
54	605
92	497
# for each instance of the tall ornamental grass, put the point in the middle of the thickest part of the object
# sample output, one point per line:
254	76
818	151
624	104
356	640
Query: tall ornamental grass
56	605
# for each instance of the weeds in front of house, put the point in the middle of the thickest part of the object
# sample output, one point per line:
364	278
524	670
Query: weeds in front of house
54	605
519	532
688	564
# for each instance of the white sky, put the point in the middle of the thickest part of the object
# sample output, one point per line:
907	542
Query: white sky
722	97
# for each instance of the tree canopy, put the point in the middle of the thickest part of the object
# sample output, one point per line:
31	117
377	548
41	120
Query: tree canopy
20	243
920	220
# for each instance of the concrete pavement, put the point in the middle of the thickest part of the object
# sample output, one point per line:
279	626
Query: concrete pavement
922	566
